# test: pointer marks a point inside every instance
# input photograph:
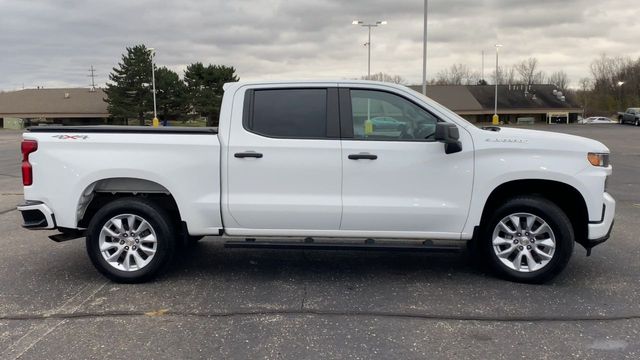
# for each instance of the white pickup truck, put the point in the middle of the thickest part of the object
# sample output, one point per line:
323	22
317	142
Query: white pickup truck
329	165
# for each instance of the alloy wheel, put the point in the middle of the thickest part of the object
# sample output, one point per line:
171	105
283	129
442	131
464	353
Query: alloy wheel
127	242
523	242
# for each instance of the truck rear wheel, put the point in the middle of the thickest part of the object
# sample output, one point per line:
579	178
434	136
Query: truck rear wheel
527	239
130	240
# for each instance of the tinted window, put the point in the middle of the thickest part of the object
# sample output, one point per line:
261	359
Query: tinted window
293	113
380	115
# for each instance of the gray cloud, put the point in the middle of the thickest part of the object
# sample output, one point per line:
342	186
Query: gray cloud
53	42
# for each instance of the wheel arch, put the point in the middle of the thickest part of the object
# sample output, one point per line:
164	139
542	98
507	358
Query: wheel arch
102	191
565	196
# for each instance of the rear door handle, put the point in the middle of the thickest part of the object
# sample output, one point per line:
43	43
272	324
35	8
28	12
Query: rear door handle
362	156
248	154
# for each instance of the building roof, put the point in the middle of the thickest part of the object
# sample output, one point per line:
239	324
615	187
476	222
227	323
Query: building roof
454	97
481	98
54	103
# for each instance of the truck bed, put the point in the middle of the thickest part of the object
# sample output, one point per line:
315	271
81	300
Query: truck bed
74	163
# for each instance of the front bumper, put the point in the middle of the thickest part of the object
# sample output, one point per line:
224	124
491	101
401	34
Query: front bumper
37	215
600	231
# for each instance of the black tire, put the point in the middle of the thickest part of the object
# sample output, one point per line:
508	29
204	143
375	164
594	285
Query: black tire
159	221
545	210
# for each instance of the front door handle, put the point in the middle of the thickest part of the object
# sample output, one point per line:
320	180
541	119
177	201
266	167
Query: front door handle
248	154
362	156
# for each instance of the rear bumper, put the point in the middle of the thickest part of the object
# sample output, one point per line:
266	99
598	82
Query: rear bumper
599	232
37	215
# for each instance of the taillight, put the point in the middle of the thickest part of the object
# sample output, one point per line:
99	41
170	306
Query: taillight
27	146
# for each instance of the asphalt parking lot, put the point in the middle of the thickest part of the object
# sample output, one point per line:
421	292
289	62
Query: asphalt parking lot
233	303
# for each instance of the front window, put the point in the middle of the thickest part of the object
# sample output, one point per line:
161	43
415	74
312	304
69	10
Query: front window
379	115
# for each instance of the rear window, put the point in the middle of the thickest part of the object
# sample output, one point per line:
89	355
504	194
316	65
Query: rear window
290	113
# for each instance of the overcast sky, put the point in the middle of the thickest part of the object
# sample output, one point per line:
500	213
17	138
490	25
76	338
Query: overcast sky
53	43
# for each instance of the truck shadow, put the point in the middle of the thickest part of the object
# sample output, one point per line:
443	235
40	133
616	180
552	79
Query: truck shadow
211	257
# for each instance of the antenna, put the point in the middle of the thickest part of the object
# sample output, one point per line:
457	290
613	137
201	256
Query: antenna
92	75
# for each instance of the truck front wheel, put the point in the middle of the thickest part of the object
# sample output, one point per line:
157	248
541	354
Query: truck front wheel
527	239
130	240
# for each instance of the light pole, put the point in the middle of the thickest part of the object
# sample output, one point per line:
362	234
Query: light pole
369	26
620	83
496	119
424	50
153	85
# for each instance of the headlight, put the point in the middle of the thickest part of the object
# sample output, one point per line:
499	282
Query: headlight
598	159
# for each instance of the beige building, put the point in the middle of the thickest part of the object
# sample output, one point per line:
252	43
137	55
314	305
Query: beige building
70	106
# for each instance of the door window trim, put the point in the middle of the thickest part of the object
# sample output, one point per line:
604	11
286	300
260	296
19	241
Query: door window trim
346	115
332	130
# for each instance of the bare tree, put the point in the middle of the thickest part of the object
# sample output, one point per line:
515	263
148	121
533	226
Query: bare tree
396	79
616	82
540	77
560	79
585	84
529	73
498	78
507	75
584	93
457	74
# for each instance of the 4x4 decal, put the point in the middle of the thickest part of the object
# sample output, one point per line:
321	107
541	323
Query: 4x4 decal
71	137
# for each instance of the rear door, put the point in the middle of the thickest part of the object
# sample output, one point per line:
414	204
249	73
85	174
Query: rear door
284	162
396	178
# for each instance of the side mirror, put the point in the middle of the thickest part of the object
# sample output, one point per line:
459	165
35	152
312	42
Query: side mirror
448	134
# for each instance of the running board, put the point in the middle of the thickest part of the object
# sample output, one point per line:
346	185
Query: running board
68	234
368	245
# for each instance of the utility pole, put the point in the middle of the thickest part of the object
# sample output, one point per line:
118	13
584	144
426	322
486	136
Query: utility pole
482	71
424	49
92	75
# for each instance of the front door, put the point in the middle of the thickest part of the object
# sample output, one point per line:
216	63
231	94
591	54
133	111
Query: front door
396	178
284	162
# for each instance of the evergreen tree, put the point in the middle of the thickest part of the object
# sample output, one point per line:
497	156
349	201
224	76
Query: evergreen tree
204	84
129	92
171	95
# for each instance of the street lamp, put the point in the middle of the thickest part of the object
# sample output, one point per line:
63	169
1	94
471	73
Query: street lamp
153	85
620	83
368	44
496	119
